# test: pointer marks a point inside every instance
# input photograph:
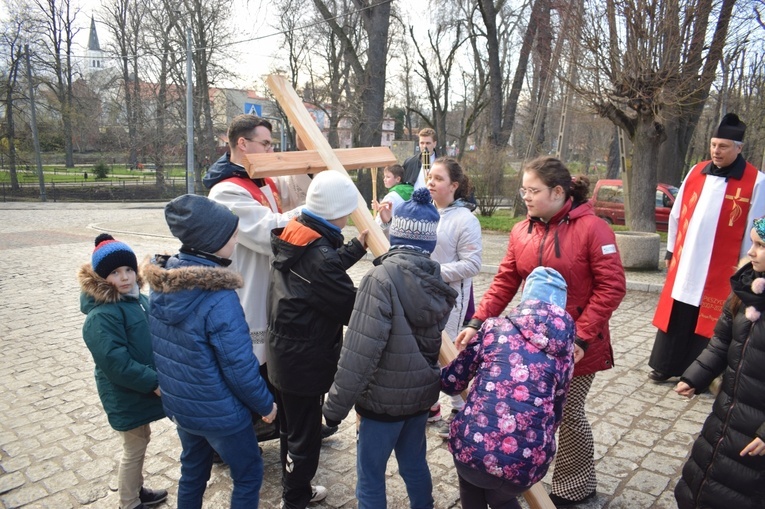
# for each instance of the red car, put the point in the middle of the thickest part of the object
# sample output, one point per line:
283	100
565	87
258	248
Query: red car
608	200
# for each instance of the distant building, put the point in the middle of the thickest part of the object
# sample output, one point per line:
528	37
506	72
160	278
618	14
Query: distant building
345	127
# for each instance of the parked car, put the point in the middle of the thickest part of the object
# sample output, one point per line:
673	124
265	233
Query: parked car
608	200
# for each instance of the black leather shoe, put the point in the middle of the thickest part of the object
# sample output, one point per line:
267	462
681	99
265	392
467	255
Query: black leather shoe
658	376
564	502
152	497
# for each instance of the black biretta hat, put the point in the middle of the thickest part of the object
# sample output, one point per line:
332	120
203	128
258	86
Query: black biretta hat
730	128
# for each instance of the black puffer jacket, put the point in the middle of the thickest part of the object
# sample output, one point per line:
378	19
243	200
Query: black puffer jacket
389	364
310	298
412	167
716	476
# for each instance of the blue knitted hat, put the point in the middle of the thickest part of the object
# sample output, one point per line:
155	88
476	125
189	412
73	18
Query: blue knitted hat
110	254
546	285
415	222
759	227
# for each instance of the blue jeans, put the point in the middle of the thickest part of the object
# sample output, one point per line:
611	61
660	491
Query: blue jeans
376	441
239	451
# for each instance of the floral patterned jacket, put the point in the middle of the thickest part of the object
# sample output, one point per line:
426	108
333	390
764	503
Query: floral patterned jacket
522	365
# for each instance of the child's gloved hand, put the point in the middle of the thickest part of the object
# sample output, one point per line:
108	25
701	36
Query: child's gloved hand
270	417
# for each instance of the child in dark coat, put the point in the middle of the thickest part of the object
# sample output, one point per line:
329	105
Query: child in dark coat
310	299
727	463
208	373
116	332
503	440
389	363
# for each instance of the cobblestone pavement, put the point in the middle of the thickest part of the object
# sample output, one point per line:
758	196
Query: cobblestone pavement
57	450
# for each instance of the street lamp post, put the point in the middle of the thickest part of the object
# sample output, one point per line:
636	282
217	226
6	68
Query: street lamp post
189	117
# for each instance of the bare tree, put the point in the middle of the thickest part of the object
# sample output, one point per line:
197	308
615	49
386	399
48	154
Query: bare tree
162	36
212	32
502	110
123	18
648	67
14	30
369	63
436	63
57	21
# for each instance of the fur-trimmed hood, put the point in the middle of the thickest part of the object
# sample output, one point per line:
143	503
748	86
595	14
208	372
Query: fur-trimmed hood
188	278
97	290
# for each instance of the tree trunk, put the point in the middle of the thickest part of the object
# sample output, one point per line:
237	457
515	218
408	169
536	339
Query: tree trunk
489	15
511	105
647	139
670	166
376	23
11	136
612	165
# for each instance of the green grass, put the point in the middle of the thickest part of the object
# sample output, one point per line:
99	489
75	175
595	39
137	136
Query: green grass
501	221
59	174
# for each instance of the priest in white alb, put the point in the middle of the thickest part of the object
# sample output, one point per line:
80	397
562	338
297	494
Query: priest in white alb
713	211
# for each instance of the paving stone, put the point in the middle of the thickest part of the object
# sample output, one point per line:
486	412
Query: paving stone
57	501
15	463
60	481
51	414
648	482
632	499
42	470
96	469
669	466
26	494
11	481
85	493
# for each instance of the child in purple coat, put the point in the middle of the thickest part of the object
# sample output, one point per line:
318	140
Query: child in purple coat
504	439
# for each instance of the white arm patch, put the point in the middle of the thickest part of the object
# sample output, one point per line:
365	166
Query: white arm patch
608	249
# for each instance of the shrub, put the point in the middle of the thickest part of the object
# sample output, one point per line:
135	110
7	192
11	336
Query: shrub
486	169
100	170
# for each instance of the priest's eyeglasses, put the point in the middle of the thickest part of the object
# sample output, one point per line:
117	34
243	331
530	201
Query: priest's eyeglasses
266	143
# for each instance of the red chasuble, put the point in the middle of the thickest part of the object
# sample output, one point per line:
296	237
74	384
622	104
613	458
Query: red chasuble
256	193
729	233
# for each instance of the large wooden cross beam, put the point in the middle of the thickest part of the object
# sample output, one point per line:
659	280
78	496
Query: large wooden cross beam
331	159
277	164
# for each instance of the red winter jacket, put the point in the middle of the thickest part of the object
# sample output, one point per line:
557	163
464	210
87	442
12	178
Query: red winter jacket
582	247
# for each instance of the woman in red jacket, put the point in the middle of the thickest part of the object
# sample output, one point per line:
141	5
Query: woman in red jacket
562	232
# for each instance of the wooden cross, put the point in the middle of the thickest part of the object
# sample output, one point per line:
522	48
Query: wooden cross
321	156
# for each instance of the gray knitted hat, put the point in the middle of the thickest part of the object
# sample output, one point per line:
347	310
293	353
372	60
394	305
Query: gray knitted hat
200	223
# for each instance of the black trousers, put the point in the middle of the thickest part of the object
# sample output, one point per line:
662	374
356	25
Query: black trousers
300	440
673	351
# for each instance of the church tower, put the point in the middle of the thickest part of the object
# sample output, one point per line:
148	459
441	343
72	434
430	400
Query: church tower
95	56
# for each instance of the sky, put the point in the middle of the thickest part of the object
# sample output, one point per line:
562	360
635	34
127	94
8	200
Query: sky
255	50
258	43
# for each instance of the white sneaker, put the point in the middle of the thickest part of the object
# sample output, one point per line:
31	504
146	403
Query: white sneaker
318	493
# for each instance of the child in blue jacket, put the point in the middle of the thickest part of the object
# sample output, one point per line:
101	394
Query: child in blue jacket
208	373
116	332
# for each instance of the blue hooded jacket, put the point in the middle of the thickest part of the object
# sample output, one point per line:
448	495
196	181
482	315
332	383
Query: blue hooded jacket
208	374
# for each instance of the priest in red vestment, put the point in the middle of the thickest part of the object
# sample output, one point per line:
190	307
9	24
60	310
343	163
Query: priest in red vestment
713	211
